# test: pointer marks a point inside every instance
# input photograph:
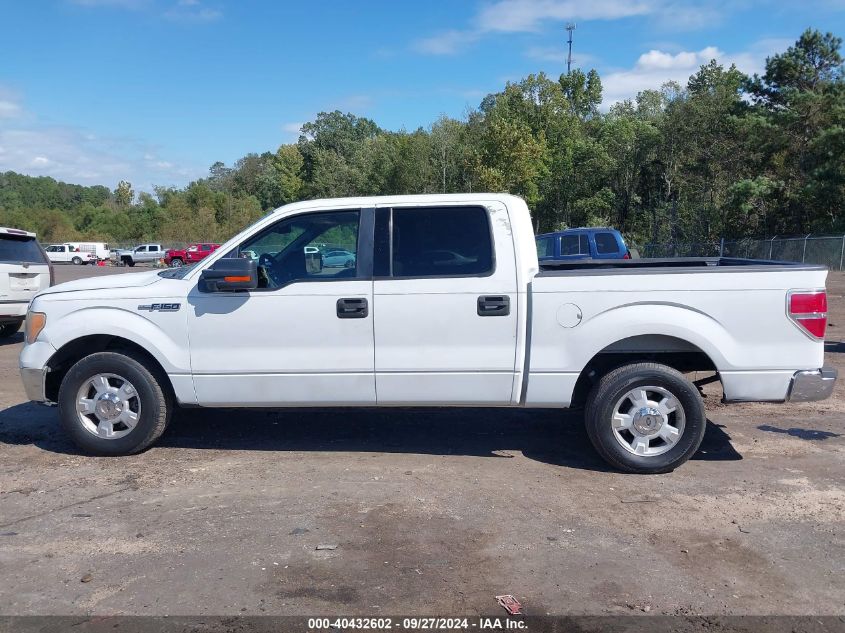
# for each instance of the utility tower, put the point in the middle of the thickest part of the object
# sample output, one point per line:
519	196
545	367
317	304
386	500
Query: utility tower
569	27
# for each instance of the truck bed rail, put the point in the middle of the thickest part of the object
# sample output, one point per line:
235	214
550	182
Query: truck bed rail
668	265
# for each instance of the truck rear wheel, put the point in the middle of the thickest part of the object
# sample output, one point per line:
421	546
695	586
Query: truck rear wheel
112	404
645	418
76	261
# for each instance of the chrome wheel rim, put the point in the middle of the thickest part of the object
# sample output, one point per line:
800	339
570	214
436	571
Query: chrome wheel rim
648	421
176	263
108	406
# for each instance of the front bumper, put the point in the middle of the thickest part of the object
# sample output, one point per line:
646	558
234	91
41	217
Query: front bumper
34	383
811	385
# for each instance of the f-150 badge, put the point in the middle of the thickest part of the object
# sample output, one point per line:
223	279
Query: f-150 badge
161	307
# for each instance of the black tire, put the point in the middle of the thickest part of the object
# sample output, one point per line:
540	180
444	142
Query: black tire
76	261
128	261
599	413
156	403
176	262
9	329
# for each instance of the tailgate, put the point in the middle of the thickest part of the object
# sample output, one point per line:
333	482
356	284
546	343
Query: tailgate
22	283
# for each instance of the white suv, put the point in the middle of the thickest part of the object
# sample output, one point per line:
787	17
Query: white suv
24	271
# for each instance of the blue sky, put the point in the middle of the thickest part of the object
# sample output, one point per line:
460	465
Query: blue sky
154	91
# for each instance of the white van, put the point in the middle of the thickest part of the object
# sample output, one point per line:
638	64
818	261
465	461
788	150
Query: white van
99	249
24	271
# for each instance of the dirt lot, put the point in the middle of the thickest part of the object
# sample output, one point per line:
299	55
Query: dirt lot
431	512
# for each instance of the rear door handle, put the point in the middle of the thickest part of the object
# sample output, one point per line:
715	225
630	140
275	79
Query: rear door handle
352	308
494	305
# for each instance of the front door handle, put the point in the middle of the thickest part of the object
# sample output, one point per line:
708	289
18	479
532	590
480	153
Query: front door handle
494	305
352	308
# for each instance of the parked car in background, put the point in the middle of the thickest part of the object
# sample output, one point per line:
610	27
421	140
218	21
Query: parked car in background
145	253
99	249
337	258
24	271
176	257
67	254
582	243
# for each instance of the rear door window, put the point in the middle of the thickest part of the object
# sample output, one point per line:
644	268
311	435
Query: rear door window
20	249
574	244
606	244
441	242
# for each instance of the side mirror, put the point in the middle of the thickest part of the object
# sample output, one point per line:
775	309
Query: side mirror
229	274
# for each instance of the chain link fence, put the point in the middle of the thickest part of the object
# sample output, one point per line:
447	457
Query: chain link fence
828	250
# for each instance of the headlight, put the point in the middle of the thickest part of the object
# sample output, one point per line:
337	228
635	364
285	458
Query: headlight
35	322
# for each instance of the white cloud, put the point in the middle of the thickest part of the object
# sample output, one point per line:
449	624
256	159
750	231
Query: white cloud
80	156
446	43
658	60
192	11
9	109
656	67
119	4
68	154
291	131
526	16
178	11
558	55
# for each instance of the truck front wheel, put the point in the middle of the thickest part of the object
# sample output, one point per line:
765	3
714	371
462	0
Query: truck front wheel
645	418
112	404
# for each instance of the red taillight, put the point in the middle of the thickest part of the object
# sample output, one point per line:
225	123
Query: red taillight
808	310
627	255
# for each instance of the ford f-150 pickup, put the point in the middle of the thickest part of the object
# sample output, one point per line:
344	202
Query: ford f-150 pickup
445	305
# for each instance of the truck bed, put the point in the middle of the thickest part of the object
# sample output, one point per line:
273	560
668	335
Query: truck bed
667	265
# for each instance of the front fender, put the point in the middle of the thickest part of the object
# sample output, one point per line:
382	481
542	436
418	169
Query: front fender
162	334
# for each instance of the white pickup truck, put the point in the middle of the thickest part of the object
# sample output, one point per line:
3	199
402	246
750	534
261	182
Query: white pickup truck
445	305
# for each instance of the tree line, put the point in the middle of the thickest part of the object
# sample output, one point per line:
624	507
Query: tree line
724	155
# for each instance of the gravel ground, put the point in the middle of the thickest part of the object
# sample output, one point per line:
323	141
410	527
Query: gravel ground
425	511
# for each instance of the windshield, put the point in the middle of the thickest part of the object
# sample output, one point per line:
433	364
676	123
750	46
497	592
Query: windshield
176	273
20	248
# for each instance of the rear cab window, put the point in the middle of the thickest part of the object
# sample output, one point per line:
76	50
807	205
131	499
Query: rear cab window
17	249
606	243
437	242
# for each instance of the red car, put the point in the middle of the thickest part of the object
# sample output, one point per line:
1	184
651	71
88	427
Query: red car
195	252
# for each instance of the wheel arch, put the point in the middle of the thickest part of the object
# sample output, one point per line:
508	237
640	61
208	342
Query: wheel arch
672	351
73	351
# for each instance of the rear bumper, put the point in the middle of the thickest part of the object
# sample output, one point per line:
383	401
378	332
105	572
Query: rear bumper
11	311
811	385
